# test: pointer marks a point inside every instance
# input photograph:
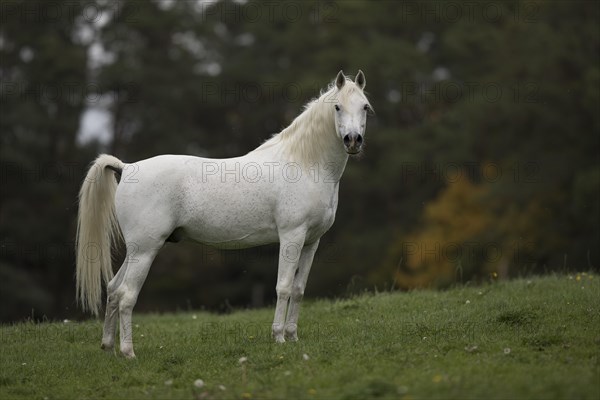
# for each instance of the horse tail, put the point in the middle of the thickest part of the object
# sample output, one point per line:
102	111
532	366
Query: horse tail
97	230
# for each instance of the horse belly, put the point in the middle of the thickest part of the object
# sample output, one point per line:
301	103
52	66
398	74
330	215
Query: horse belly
232	238
231	222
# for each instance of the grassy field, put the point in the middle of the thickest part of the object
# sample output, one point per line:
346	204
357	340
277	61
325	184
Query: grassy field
535	339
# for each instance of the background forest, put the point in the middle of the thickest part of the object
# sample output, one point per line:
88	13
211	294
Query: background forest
482	159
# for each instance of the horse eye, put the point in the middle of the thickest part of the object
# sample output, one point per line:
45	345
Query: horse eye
337	108
366	107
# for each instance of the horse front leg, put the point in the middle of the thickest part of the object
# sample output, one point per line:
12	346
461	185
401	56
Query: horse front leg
289	255
304	265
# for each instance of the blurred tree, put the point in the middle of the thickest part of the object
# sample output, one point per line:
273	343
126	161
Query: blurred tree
43	92
532	74
506	92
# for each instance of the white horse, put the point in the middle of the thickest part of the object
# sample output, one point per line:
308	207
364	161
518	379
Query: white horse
284	191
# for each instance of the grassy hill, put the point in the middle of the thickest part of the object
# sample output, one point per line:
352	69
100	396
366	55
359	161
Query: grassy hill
536	338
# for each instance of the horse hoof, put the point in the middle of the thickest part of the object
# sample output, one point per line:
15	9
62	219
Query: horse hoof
279	339
127	352
291	333
106	347
291	338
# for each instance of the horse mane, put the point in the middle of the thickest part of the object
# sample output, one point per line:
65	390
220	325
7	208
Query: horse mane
311	133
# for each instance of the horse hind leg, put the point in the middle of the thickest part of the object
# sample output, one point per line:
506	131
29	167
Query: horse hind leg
112	310
138	259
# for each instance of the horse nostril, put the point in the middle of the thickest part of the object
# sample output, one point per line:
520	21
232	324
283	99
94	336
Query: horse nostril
347	140
359	140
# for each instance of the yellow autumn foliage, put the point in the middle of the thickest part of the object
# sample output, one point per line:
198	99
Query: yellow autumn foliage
470	230
432	255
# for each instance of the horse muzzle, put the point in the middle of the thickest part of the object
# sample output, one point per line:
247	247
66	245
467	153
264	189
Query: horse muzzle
353	143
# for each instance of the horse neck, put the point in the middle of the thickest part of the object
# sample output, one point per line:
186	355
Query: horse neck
312	141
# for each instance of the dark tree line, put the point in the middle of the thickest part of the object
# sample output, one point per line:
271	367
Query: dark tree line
482	158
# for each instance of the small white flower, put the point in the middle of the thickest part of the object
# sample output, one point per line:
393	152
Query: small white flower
137	325
142	335
24	364
198	383
243	360
194	316
507	350
66	321
480	293
287	373
305	357
161	347
221	387
169	382
468	302
424	337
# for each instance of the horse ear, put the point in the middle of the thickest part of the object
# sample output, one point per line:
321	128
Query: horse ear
360	79
340	80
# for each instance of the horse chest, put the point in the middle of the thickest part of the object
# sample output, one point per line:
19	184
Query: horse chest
322	213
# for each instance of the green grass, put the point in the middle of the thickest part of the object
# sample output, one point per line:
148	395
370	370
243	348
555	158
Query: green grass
535	339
